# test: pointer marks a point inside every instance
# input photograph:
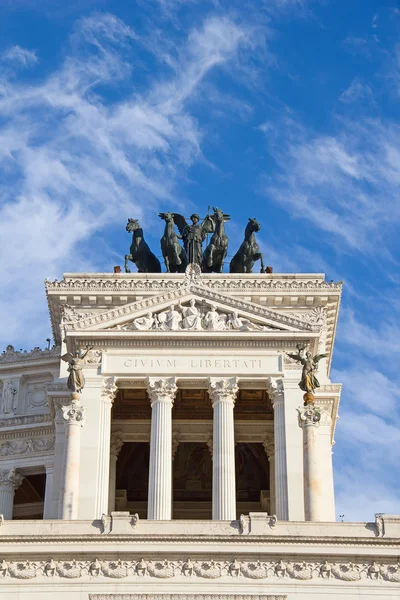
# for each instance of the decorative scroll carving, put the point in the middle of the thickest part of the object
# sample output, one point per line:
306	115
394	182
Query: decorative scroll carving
269	445
69	314
11	355
203	569
224	390
274	389
162	390
26	446
9	478
109	389
116	443
93	358
73	413
310	415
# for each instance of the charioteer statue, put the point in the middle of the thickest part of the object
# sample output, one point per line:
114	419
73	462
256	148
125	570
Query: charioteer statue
193	235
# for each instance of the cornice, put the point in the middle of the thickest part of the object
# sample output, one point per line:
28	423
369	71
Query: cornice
10	355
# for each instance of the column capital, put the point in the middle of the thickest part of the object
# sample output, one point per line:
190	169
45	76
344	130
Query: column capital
309	415
73	413
275	390
269	445
9	478
116	443
222	390
109	389
161	390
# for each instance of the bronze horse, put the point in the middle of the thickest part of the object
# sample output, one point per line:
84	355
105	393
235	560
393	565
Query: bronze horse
249	252
215	253
174	255
140	253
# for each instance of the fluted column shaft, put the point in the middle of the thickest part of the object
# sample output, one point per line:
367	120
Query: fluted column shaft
309	419
223	394
69	493
162	393
10	480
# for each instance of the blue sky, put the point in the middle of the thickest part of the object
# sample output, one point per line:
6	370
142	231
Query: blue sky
284	110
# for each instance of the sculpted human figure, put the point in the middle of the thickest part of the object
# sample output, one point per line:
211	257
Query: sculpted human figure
192	317
308	382
241	324
193	235
9	394
213	321
170	320
143	323
76	379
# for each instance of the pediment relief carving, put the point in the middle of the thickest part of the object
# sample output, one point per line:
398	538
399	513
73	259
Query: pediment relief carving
193	316
197	309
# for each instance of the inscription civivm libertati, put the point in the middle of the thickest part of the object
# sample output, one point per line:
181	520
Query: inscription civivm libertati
188	363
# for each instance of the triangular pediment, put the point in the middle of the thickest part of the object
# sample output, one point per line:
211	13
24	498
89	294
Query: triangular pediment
190	309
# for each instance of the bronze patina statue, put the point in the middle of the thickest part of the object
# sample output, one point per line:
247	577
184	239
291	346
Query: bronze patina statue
140	253
193	235
309	382
249	252
175	257
76	379
215	253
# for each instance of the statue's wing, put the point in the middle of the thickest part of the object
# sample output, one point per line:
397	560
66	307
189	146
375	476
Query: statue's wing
227	217
318	357
295	356
180	222
67	357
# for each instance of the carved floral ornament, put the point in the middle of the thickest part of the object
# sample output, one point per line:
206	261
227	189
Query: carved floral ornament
202	569
9	478
223	390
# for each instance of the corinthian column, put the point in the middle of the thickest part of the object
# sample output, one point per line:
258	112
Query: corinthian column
223	394
269	447
10	480
309	419
275	391
162	393
69	493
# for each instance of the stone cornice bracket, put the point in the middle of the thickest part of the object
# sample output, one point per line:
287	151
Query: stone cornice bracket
161	390
109	389
9	478
116	443
275	390
73	413
222	390
309	415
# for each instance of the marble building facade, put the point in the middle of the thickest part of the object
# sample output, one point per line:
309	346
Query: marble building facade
188	466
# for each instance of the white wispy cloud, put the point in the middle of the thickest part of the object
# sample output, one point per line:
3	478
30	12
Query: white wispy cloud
78	163
19	55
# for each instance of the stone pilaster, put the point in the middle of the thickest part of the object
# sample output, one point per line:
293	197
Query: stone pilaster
269	447
162	393
276	393
223	394
108	392
48	493
115	448
69	494
10	480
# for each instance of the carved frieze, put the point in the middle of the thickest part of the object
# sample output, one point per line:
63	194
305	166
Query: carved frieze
30	446
231	568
